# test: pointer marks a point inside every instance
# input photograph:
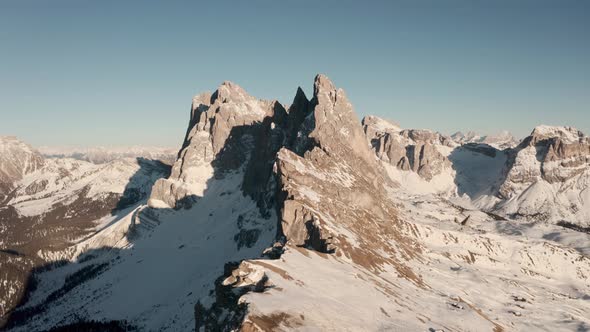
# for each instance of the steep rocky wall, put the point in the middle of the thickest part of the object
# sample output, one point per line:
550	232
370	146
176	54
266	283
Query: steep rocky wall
409	150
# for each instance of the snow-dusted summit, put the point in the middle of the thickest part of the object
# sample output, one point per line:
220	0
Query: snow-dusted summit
16	160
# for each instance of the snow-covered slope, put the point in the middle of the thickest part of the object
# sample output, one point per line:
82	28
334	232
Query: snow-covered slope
152	266
61	179
60	203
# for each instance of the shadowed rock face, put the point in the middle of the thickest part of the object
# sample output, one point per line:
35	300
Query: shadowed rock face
409	150
337	127
223	126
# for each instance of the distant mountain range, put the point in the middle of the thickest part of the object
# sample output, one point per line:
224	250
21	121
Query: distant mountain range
275	218
101	155
503	140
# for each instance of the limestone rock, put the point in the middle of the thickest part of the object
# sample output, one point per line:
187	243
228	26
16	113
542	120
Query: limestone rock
547	176
409	150
220	138
553	154
335	183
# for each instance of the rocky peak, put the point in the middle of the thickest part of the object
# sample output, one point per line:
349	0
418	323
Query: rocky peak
373	126
300	107
550	154
323	87
220	138
277	149
553	143
567	135
336	128
17	159
335	183
300	96
409	149
231	92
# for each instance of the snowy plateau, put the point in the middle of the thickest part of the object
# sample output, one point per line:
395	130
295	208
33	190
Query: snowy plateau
298	217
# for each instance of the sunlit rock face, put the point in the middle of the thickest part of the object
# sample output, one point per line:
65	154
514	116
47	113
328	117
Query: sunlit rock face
420	151
547	176
337	172
554	154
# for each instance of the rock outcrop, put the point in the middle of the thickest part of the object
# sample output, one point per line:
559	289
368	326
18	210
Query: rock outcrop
322	169
547	176
552	154
409	150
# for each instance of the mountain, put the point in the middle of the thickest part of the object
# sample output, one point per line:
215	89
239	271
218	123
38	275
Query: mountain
548	176
421	151
279	218
503	140
101	155
54	203
544	178
16	160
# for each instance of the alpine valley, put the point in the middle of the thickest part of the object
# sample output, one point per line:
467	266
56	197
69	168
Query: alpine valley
298	217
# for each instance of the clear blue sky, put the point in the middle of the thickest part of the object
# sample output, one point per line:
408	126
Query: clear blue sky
123	72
